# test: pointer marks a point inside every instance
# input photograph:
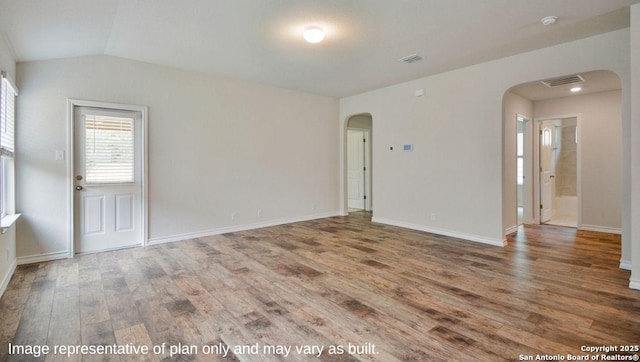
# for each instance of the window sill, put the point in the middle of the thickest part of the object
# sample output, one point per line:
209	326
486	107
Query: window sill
8	221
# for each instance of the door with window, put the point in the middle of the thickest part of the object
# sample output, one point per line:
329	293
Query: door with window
107	179
547	170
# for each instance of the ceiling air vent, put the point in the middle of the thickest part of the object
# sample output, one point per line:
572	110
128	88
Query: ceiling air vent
563	81
411	58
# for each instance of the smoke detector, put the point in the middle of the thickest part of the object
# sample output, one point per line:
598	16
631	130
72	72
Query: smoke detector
549	20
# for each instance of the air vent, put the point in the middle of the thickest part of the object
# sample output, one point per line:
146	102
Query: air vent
411	58
563	81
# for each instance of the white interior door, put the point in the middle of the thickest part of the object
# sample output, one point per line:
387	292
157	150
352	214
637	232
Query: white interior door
107	179
547	170
356	169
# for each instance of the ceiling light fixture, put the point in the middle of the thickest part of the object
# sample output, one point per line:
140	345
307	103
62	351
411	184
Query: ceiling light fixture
576	89
313	34
549	20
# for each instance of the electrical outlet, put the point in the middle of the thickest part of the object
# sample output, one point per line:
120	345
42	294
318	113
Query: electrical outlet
433	216
314	207
260	213
233	216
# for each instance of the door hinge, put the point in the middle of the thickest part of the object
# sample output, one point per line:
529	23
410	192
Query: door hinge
365	197
364	168
540	206
364	140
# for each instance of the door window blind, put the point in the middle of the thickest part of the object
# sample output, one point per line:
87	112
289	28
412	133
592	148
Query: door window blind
7	117
109	150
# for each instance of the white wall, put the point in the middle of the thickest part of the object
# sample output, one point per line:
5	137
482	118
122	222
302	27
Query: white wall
7	240
452	182
600	142
215	146
7	63
514	105
633	200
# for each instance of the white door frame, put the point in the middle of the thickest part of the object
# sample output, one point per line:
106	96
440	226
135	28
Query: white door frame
344	195
71	105
367	174
536	165
367	165
527	194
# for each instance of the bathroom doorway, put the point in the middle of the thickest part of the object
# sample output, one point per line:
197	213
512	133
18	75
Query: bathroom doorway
559	164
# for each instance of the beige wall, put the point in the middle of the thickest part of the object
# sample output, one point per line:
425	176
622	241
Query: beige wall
567	162
453	181
362	121
215	146
600	141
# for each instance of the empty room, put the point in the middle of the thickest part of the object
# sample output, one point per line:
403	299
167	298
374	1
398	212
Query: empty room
340	180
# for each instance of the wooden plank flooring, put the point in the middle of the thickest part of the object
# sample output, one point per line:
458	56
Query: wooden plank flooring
396	294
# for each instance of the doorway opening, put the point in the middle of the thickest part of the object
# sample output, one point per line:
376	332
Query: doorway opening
107	176
559	176
576	136
523	161
359	163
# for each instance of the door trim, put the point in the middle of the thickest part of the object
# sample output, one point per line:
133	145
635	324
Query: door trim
527	194
344	195
71	105
367	164
536	164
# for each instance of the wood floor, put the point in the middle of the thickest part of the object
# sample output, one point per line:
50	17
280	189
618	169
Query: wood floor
390	293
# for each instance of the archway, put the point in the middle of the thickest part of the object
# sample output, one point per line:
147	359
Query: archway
358	163
597	107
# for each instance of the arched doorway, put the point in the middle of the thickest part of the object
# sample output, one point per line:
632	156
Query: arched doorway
358	163
591	118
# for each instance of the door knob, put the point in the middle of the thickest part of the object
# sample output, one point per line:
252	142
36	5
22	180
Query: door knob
79	188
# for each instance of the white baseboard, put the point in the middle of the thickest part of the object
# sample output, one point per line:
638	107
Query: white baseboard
30	259
511	230
625	264
478	239
634	284
601	229
7	277
232	229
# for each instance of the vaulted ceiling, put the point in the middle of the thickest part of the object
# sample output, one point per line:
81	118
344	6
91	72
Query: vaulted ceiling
261	40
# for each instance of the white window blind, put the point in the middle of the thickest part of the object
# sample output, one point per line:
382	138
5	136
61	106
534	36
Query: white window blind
109	150
7	117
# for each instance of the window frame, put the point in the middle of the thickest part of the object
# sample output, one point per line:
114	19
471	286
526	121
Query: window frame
7	119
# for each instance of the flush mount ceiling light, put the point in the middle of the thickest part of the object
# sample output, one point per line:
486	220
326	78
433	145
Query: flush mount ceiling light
576	89
313	34
549	20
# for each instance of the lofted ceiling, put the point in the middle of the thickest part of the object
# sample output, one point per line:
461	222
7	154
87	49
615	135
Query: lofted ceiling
261	40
